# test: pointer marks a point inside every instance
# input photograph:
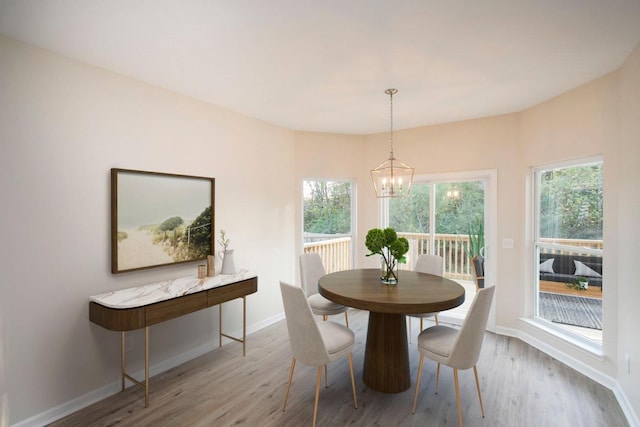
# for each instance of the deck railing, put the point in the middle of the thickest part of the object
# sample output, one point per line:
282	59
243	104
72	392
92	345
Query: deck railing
452	247
336	253
579	243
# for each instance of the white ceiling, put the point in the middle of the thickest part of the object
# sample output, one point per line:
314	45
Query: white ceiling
323	65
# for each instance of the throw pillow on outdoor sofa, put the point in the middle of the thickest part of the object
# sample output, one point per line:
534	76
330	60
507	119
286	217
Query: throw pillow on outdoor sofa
547	266
584	270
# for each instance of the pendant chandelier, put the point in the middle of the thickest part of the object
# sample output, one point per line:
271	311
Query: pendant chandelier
392	178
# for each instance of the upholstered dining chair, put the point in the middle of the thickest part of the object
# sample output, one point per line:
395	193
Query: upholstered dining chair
311	270
314	343
459	349
430	264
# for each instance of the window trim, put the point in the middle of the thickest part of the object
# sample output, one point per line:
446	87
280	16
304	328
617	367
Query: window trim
534	319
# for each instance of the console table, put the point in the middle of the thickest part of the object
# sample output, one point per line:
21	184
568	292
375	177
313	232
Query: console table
142	306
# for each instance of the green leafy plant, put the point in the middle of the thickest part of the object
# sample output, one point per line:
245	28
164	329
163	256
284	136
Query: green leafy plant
578	283
476	239
392	248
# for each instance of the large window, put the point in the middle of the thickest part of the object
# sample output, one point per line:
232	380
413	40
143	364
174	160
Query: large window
328	221
568	246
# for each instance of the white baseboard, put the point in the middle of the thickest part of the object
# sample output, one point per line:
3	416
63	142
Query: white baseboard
579	366
97	395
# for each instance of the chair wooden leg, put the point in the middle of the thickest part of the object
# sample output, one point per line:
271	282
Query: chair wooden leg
326	377
353	382
410	333
286	395
421	327
437	322
475	371
315	406
437	378
455	380
324	317
415	395
346	318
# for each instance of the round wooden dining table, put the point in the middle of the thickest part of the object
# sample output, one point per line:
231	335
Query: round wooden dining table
386	360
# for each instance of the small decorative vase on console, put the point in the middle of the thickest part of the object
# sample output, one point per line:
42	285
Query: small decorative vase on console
228	264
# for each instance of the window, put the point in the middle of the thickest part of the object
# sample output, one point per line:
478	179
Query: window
568	244
328	220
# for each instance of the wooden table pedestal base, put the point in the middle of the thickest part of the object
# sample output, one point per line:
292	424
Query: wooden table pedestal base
386	358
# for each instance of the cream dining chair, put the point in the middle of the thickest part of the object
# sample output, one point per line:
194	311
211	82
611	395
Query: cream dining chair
459	349
314	343
311	270
430	264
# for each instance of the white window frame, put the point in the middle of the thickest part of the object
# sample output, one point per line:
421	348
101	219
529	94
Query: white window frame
564	334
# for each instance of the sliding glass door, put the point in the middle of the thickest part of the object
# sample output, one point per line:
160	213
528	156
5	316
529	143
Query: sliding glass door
439	218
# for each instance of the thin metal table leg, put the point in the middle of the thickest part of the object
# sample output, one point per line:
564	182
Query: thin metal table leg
220	324
146	367
244	326
122	360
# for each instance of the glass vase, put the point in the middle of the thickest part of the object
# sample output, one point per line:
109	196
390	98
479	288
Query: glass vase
389	271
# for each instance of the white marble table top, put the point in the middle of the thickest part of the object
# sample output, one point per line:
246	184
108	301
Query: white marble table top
155	292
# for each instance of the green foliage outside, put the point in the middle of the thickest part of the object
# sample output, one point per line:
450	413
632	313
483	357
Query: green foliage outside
453	215
327	207
571	202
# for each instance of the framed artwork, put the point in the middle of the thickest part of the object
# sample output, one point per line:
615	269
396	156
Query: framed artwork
160	219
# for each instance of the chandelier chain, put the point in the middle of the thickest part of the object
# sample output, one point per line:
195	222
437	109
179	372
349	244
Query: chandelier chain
391	92
391	122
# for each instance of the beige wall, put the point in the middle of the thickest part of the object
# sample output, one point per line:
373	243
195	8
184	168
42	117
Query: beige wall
601	118
63	125
580	124
331	156
485	144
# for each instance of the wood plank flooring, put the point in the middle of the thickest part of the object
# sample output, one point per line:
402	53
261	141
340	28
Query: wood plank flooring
521	386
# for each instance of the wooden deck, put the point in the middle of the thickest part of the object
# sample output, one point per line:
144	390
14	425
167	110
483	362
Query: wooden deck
561	288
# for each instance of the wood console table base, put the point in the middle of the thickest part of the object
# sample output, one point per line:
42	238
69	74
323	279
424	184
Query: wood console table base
386	357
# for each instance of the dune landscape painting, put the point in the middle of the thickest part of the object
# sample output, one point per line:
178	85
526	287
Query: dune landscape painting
159	219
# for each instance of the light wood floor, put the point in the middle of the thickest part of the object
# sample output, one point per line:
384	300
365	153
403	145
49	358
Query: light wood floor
521	386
